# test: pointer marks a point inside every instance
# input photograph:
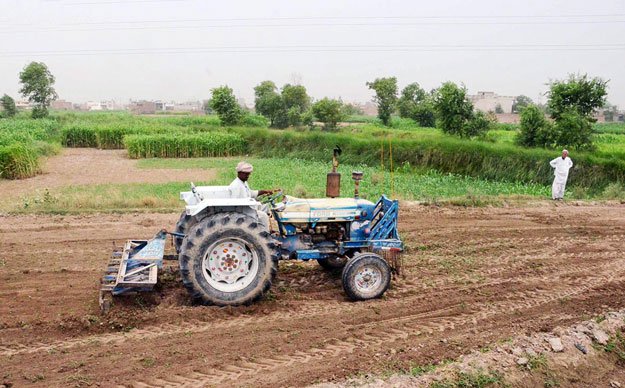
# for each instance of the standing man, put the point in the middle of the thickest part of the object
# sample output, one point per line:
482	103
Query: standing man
561	166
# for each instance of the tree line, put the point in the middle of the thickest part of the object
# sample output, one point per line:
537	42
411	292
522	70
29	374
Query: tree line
570	107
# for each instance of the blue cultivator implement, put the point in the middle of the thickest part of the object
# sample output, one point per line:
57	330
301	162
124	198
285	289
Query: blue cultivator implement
134	268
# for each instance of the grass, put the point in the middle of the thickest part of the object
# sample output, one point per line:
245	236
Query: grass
432	150
307	179
296	177
478	379
184	145
439	159
22	142
18	161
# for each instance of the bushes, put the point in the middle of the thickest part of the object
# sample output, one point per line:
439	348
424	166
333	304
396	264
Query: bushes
21	143
79	136
184	146
18	161
252	120
111	136
571	129
536	131
446	154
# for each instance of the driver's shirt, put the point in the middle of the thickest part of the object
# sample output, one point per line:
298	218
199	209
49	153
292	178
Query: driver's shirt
241	189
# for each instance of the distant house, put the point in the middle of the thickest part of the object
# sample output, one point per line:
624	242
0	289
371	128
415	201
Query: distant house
61	105
23	104
189	106
488	102
368	108
143	107
93	106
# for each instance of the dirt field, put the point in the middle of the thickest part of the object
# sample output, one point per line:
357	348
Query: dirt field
86	166
473	277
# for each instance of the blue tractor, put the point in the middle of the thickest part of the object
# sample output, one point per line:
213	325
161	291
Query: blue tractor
229	247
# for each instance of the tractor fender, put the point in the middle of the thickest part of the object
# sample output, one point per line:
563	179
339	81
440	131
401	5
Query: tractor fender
219	205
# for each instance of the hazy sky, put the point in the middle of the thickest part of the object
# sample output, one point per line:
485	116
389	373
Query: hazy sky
180	49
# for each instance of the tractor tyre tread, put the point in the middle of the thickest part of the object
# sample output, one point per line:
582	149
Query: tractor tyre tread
212	228
365	258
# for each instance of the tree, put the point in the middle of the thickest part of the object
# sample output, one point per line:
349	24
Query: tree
498	109
37	85
385	97
416	104
8	105
410	97
520	102
571	104
453	108
579	93
295	96
329	112
574	130
296	102
478	124
225	104
269	103
535	131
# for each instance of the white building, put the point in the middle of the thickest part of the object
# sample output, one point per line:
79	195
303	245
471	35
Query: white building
488	102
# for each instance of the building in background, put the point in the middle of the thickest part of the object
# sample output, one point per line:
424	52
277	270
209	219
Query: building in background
189	106
491	102
143	107
61	105
23	104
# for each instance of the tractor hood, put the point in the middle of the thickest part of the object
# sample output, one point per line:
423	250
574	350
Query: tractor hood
325	210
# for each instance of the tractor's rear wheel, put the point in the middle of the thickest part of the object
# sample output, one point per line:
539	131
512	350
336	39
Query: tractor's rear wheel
366	276
185	222
332	263
228	259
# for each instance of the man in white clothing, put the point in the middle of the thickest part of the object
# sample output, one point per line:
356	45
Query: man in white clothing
561	172
240	189
239	185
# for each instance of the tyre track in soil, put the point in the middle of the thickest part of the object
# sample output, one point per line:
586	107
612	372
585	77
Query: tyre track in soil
543	246
314	309
409	325
310	310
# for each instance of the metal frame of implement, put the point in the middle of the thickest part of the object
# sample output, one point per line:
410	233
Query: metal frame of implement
133	269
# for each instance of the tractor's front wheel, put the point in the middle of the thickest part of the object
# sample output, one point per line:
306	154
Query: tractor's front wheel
228	259
366	276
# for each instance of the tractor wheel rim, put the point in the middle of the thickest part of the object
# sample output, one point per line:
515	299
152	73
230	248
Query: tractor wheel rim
230	264
368	279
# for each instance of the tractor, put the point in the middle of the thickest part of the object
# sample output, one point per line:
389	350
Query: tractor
228	247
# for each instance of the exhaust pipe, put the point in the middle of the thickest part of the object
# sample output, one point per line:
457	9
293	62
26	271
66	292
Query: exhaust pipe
333	183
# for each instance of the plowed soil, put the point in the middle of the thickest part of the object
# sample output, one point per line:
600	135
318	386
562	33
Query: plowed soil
472	277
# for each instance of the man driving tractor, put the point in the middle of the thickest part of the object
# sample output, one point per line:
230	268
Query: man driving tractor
240	189
239	185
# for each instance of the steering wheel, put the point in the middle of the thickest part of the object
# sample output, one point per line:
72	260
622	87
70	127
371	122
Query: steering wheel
271	198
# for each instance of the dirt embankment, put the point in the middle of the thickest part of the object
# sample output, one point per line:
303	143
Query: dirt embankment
473	277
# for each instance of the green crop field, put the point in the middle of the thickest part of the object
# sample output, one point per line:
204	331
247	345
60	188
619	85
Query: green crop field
428	165
299	178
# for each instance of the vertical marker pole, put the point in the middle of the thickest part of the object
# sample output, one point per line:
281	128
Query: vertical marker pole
390	147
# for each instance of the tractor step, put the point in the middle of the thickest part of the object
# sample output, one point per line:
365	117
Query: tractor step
133	269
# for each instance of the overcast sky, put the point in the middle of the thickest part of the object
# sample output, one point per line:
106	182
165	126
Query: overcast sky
180	49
